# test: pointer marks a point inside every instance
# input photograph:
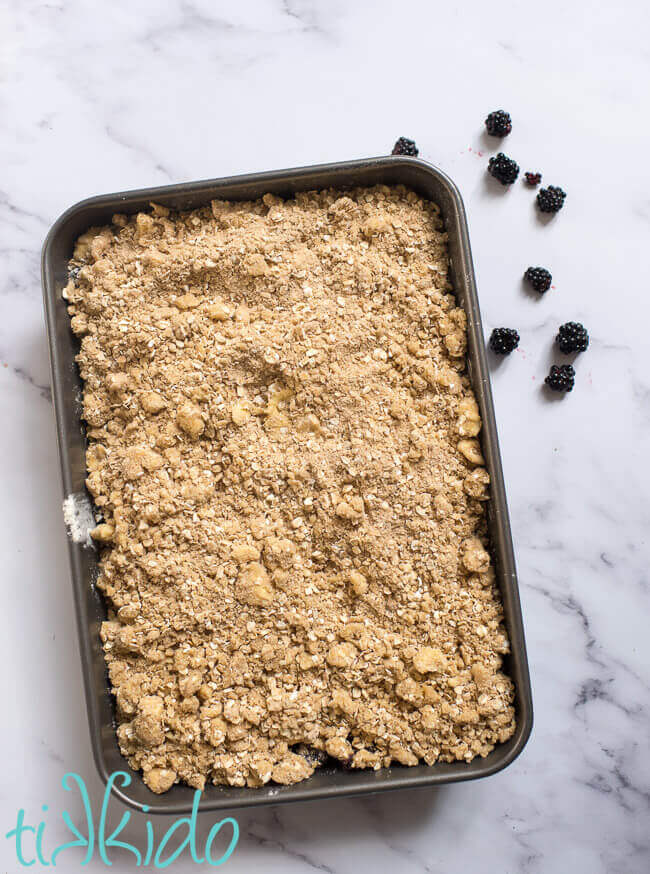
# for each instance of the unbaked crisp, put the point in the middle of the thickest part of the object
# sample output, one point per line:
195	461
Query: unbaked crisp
283	455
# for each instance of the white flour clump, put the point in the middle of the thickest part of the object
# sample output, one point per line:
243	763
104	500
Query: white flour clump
78	517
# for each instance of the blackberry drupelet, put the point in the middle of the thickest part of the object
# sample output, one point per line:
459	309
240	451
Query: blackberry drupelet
404	146
572	337
551	199
561	378
503	168
504	340
314	757
533	179
498	123
539	278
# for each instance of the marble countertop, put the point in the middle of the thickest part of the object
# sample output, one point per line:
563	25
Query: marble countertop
95	99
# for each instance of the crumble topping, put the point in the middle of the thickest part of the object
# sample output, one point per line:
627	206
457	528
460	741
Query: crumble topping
283	454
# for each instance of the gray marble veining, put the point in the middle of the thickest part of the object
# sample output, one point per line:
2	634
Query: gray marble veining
128	95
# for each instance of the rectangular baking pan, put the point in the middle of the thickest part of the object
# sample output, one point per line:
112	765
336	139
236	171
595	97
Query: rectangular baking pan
67	392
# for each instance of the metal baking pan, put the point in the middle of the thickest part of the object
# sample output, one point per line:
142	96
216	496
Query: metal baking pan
67	388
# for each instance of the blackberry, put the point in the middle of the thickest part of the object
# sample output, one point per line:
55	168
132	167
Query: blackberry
561	378
533	179
551	199
314	757
405	147
539	278
498	123
572	337
504	340
503	168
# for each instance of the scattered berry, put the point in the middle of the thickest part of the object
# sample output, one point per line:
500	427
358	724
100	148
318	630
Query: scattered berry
533	178
539	278
314	757
405	147
499	123
503	168
572	337
504	340
551	199
561	378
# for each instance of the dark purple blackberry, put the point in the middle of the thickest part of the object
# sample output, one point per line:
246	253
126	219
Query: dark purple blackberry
572	337
405	147
503	168
314	757
533	179
498	123
561	378
551	199
504	340
539	278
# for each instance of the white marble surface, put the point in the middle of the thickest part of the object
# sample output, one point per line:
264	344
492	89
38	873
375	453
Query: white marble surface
99	97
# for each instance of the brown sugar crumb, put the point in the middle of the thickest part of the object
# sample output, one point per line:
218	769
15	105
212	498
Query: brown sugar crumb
284	457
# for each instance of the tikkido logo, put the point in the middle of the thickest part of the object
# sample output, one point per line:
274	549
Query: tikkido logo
30	851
